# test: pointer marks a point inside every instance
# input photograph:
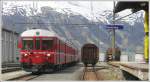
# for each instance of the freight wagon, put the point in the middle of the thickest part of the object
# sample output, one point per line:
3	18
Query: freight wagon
89	53
110	55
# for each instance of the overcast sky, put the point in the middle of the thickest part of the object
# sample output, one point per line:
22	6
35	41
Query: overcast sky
77	6
86	8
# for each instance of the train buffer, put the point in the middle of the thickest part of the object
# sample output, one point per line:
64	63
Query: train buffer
139	70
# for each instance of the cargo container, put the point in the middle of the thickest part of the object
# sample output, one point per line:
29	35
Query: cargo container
139	57
89	53
110	55
124	58
102	57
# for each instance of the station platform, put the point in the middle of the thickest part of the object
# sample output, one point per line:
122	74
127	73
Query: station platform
4	65
139	70
9	67
15	74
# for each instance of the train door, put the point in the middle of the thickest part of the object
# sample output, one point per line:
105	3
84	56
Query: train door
58	52
55	49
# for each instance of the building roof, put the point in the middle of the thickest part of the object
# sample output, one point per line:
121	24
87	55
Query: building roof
43	33
134	5
8	30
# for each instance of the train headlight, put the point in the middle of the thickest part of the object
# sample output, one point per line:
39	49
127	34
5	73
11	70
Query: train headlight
25	54
48	55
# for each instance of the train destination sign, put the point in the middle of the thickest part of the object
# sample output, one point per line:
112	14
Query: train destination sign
114	26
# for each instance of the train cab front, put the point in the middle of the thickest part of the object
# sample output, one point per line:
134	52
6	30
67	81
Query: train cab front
36	53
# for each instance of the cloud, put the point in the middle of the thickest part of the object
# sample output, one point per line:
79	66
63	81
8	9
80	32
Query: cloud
83	7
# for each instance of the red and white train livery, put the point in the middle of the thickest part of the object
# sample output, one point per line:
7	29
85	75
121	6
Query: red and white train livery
42	50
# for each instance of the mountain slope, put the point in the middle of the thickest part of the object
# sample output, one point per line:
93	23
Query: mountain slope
77	28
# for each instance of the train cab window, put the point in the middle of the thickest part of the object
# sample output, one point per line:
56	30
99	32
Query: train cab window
47	43
27	43
37	43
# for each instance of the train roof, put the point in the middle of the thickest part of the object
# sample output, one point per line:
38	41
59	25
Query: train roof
43	33
38	32
89	45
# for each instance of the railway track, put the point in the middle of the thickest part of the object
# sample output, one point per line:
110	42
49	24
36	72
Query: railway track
25	77
90	73
10	69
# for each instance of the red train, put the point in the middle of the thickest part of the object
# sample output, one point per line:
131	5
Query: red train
42	50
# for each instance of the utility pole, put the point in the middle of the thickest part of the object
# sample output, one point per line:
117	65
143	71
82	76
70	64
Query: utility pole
113	35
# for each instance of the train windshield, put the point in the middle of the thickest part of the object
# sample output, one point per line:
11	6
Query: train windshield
37	43
27	43
47	43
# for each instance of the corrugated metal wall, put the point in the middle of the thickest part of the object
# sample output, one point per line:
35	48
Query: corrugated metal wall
10	51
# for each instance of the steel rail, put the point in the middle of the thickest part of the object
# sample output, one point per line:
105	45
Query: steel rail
25	77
